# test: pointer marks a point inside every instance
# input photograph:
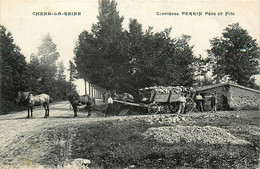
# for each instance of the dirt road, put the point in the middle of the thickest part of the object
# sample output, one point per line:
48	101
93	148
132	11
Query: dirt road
15	129
18	134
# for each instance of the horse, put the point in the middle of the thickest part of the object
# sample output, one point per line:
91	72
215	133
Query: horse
126	97
30	100
76	100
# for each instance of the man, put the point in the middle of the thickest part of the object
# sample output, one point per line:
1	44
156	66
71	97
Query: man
109	105
213	103
89	108
199	101
182	101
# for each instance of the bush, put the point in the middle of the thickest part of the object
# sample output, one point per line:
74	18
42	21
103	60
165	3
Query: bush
9	106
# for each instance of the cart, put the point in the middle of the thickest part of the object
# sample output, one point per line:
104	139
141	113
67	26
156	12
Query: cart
162	99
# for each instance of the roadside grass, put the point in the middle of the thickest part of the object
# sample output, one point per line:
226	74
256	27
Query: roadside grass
7	107
120	144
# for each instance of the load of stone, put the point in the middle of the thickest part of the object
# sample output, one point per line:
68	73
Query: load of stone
192	134
163	89
146	92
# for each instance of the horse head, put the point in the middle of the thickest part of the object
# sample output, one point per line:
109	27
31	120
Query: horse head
19	96
29	96
22	96
129	97
73	97
113	94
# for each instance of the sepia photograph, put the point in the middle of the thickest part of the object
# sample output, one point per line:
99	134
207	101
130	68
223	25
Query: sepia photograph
129	84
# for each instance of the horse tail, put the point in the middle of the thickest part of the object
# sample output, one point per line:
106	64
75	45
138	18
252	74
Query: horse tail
94	101
51	99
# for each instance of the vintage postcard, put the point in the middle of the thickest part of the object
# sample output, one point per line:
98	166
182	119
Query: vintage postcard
129	83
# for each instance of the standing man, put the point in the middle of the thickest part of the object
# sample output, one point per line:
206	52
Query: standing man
213	103
109	105
182	101
89	108
199	101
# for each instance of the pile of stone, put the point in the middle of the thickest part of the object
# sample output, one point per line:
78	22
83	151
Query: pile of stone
162	119
78	163
192	134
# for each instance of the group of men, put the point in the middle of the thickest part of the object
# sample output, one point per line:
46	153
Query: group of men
213	102
199	103
182	103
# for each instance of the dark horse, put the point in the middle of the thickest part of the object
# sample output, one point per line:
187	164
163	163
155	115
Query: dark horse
77	100
30	101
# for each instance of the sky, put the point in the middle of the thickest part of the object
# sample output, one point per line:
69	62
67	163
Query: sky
28	29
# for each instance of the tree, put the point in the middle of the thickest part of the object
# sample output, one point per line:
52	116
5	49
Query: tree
235	54
127	60
73	72
158	59
60	72
33	74
99	56
12	68
202	66
48	56
63	87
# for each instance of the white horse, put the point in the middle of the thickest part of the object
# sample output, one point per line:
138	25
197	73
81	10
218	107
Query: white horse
126	97
30	100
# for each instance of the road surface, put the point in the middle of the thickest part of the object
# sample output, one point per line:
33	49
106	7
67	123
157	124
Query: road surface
16	128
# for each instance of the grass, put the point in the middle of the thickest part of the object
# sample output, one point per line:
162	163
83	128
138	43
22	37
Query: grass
7	107
120	144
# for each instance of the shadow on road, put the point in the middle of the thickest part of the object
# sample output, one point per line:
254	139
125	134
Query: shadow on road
20	118
51	117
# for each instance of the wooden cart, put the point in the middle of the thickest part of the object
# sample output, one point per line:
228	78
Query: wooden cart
162	102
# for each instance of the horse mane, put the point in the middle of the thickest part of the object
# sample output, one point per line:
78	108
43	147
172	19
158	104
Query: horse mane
30	93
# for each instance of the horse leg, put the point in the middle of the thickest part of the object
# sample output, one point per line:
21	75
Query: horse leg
32	111
89	110
45	116
48	110
28	112
75	109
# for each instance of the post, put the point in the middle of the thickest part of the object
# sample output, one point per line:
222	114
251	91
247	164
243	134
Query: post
89	88
85	86
92	91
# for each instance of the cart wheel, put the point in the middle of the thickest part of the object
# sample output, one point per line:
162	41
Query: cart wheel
153	108
164	109
173	107
189	107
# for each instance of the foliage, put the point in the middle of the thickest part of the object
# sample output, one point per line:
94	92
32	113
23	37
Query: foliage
60	72
202	66
45	73
113	58
40	75
73	72
12	68
98	56
48	56
236	55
